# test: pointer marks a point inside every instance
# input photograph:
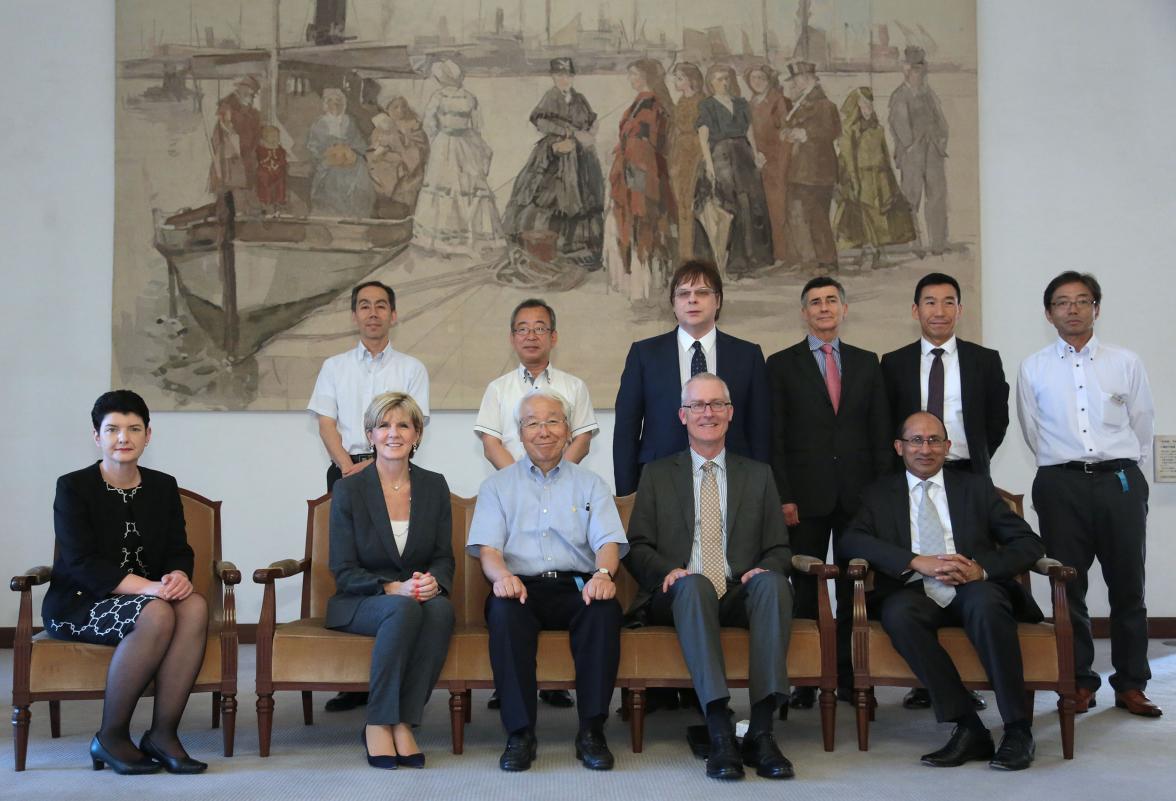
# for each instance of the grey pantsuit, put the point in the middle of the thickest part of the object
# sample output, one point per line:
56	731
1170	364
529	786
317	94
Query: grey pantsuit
920	148
763	605
412	641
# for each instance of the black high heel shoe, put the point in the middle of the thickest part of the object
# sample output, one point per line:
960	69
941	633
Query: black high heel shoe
385	761
416	760
100	757
180	764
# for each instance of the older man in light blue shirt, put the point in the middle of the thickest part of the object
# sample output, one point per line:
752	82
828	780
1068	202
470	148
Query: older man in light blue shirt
549	539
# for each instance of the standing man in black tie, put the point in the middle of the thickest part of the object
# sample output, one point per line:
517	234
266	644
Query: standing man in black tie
830	438
647	426
959	382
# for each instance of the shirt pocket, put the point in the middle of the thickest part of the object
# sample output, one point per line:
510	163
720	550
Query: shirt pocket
1114	409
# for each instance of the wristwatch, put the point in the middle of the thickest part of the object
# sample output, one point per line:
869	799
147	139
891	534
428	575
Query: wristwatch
605	571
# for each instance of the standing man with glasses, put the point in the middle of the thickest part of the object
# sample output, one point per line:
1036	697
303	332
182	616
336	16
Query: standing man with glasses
1087	414
533	336
549	539
347	383
946	550
709	548
830	438
647	426
959	382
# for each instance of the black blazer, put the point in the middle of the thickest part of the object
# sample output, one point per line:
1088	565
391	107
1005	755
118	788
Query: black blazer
363	551
661	528
647	425
90	522
983	528
983	389
822	459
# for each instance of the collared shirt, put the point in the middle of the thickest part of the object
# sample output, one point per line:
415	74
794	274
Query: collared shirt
686	352
540	523
939	498
347	383
1085	406
496	416
815	344
696	461
953	398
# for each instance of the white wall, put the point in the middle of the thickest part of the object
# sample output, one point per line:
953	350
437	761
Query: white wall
1077	172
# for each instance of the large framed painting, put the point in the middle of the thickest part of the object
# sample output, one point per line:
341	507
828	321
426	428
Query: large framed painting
272	155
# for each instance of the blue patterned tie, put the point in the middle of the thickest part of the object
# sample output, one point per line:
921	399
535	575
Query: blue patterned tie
698	360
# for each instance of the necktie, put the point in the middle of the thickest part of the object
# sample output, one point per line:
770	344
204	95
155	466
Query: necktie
698	360
832	376
931	543
714	561
935	385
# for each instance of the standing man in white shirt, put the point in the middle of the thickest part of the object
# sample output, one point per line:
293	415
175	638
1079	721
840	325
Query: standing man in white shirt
346	385
1087	414
533	336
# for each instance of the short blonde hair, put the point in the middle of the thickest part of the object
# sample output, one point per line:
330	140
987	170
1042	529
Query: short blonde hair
386	402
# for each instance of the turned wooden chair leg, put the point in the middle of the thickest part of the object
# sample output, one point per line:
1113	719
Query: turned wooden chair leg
828	703
1066	720
862	704
307	707
265	722
637	719
457	718
54	719
20	735
216	706
228	710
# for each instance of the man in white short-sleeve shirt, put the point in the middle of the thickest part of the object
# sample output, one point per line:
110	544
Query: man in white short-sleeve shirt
533	336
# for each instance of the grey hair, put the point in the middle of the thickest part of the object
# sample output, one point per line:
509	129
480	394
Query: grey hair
708	377
542	392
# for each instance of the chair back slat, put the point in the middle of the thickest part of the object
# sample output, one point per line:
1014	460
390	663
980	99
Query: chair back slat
470	587
203	524
319	584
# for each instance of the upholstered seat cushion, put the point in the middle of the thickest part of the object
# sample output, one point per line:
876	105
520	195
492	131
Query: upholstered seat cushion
64	666
1038	652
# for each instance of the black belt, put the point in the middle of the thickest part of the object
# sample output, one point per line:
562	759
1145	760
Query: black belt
356	458
959	464
1109	466
555	574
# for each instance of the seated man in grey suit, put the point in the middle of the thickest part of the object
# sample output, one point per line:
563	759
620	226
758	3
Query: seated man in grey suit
946	551
708	547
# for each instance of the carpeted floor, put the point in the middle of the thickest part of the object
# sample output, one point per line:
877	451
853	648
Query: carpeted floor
1118	756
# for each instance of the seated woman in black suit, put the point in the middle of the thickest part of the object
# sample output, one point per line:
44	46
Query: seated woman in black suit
122	577
392	556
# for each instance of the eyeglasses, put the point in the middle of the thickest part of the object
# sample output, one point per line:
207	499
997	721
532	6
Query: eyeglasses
933	442
535	425
527	330
698	407
702	293
1082	304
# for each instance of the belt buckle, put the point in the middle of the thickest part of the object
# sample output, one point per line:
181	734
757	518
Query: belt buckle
1088	468
549	574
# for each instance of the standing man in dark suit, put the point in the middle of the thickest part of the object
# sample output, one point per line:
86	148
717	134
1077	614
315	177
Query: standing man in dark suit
708	547
647	426
830	438
960	382
946	551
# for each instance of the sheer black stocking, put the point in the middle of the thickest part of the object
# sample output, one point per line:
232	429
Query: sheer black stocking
177	672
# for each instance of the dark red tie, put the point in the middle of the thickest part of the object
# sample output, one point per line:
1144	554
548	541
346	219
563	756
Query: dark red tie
935	385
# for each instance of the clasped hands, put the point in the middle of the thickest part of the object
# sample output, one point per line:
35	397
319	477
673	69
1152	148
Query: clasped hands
421	587
174	586
950	568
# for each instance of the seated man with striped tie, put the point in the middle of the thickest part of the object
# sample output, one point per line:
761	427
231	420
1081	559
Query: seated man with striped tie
709	548
946	551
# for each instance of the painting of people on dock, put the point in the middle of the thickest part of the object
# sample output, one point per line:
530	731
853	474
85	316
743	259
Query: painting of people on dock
473	153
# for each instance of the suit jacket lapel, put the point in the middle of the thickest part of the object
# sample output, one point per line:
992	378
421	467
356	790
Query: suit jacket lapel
955	510
912	371
671	375
969	378
381	527
418	500
902	513
735	486
812	373
683	483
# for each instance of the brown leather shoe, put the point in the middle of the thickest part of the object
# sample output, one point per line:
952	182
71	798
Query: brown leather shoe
1135	702
1084	700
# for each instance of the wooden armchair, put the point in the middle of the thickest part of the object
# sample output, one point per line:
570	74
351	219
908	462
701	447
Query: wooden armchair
1047	649
45	669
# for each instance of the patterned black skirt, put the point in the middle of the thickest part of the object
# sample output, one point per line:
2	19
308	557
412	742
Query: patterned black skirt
106	622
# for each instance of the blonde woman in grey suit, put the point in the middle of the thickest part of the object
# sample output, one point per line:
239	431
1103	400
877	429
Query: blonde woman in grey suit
392	558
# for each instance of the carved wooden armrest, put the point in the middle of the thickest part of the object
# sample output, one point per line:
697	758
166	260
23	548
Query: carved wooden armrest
281	569
812	566
1054	569
30	578
857	569
227	571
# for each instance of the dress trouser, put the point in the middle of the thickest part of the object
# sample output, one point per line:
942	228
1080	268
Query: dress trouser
810	537
763	605
985	611
553	604
1088	515
412	641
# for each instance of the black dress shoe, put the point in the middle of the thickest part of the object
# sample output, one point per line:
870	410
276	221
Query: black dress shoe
382	761
344	701
100	758
919	698
724	760
520	752
965	745
416	760
557	698
762	753
1016	750
803	697
494	703
172	764
592	750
